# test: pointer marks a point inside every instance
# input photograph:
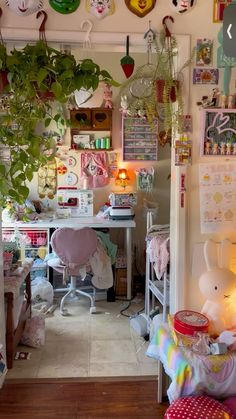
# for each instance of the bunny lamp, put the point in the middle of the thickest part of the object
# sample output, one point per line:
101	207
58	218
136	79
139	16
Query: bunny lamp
217	284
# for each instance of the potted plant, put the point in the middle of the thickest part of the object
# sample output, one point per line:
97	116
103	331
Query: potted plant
32	72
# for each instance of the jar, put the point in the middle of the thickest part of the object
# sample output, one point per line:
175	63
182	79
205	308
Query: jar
98	143
108	143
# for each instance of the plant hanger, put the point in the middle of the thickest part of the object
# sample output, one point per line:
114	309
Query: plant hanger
42	35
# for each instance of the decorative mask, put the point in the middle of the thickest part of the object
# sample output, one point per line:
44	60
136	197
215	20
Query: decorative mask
24	7
64	6
140	7
100	8
182	6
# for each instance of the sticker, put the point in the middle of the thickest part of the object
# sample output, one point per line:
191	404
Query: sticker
71	179
62	169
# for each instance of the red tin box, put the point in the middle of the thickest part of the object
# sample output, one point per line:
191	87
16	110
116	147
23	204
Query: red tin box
189	322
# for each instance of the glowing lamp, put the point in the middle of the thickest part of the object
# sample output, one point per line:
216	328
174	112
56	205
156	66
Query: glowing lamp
122	178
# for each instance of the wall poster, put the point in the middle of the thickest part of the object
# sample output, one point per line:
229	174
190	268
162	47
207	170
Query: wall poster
217	187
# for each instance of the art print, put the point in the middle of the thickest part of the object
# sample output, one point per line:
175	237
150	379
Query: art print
218	9
205	76
204	49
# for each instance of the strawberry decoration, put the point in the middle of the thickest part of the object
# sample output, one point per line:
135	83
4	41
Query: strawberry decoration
127	62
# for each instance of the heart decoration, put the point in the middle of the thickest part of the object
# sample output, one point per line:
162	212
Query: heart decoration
64	6
140	7
24	7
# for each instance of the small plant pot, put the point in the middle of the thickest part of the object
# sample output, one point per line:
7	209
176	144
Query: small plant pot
170	95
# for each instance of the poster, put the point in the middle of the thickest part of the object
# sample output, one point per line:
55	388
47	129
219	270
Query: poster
217	187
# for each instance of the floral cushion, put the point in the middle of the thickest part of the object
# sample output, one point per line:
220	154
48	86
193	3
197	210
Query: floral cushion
34	332
200	407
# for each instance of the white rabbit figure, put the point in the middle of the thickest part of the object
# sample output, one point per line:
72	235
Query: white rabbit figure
217	284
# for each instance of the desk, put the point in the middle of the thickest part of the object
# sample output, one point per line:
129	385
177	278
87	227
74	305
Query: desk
93	222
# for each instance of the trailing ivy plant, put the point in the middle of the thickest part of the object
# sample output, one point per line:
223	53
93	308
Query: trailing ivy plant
39	77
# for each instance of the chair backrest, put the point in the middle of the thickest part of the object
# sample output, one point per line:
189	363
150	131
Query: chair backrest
74	246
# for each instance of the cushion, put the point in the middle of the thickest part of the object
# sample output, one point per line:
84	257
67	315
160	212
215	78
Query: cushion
199	407
230	402
74	246
34	332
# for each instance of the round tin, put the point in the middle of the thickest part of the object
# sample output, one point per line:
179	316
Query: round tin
189	322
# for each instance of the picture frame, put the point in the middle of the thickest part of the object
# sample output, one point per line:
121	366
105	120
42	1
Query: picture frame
218	9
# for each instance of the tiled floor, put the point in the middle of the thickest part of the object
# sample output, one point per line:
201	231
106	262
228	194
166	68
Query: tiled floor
88	345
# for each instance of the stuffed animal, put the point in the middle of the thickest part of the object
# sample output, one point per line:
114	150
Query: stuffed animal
217	285
107	96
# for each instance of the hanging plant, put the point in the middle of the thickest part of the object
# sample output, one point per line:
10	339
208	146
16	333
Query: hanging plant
33	71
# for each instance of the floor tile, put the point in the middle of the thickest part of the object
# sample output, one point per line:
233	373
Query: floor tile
103	351
114	369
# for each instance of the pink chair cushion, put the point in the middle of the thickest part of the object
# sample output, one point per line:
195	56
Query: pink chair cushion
199	407
231	403
74	246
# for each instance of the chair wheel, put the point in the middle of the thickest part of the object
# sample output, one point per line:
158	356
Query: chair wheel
93	310
64	312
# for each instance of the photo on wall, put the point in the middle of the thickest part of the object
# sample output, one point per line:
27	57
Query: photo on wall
204	49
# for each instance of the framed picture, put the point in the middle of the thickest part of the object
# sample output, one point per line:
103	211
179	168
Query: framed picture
204	52
218	9
205	76
218	137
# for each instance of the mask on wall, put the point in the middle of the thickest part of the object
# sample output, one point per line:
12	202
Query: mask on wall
140	7
64	6
24	7
182	6
100	8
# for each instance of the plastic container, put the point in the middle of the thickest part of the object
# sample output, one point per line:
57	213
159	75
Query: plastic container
189	322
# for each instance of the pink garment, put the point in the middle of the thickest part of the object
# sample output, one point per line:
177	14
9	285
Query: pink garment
158	250
94	167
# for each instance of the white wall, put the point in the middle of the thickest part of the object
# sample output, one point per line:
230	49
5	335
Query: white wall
199	24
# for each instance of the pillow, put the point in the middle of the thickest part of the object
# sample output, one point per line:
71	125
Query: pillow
200	407
34	332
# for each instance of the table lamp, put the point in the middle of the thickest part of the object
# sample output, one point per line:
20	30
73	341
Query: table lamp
122	178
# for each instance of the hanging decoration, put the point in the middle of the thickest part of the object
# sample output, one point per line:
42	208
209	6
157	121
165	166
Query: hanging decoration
182	6
127	62
140	7
64	6
24	7
145	179
47	180
100	8
223	61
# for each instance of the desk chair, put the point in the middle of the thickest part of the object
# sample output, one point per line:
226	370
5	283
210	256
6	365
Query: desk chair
73	248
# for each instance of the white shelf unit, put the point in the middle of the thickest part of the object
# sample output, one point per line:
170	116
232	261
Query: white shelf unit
156	289
34	243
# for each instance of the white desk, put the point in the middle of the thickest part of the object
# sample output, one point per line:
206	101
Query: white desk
80	222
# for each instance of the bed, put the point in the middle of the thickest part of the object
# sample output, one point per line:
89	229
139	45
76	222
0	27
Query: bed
191	373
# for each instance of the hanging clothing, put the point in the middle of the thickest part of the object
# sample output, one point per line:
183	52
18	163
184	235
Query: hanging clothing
158	250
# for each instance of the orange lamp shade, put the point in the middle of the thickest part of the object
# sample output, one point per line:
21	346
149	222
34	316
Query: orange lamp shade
122	178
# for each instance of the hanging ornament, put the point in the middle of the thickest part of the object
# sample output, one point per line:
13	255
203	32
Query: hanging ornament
127	62
140	7
100	8
64	6
182	6
24	7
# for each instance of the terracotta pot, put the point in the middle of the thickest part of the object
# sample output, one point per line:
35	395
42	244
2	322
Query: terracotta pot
171	97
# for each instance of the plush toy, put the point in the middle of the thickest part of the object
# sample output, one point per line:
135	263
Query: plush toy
217	285
24	7
107	96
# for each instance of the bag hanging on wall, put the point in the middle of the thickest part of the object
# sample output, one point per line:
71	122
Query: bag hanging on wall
94	167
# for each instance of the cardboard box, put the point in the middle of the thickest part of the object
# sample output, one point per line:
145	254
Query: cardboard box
121	282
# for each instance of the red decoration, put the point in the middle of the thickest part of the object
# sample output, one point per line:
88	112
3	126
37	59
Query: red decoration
127	62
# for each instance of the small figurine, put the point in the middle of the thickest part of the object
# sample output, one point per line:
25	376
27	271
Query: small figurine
222	149
208	147
228	149
215	97
124	104
215	149
107	96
